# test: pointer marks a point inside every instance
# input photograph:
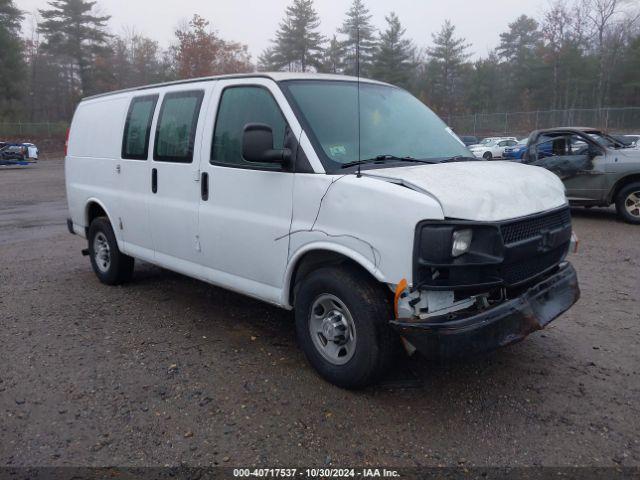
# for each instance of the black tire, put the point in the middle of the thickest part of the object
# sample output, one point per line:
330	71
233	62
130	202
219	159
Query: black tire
624	198
120	266
488	156
369	305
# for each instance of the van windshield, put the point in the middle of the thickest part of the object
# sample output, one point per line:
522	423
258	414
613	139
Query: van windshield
393	123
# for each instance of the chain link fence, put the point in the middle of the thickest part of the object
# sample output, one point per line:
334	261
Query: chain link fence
616	120
43	129
520	124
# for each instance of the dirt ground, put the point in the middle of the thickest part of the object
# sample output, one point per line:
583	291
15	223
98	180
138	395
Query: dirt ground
171	371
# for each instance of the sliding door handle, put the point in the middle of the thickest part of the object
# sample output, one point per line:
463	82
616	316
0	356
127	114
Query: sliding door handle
154	180
204	186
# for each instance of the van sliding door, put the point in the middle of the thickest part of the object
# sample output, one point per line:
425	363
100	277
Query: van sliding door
173	182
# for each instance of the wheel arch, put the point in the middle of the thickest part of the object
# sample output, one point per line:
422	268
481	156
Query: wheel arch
314	256
93	209
620	184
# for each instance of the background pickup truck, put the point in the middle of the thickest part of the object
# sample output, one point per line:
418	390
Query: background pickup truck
597	169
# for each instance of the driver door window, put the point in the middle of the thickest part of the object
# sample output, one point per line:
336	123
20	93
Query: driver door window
240	106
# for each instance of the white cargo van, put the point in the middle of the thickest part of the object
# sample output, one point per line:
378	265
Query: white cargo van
350	202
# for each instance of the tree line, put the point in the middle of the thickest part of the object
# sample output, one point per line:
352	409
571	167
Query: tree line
579	54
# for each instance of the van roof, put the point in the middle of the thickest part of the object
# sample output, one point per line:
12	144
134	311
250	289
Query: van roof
275	76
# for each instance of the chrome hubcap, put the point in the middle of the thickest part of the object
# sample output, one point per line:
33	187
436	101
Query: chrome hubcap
101	252
332	329
632	204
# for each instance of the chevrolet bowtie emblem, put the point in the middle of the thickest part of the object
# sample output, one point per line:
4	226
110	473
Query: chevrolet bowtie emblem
546	241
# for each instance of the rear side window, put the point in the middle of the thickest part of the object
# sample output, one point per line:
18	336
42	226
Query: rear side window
238	107
137	129
177	124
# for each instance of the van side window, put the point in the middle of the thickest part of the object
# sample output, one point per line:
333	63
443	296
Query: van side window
177	124
137	129
238	107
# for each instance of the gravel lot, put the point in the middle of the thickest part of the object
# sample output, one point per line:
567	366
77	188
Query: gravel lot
170	371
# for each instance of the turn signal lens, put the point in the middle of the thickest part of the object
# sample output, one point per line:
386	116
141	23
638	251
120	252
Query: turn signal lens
461	242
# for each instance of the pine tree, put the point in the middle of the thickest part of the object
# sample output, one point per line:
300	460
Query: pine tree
298	45
393	59
484	84
518	47
334	57
73	31
270	60
12	67
447	63
357	27
10	17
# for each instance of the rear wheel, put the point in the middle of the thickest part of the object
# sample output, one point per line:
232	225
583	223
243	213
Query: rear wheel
628	203
487	156
342	322
111	266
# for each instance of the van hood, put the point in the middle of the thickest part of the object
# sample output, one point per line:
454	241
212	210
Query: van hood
481	191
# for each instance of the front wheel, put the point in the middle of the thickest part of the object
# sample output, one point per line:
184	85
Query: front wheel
487	156
628	203
342	322
111	266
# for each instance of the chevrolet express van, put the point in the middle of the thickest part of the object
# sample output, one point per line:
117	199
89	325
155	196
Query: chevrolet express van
349	202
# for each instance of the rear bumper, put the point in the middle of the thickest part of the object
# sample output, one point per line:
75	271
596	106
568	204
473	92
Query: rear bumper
70	226
507	323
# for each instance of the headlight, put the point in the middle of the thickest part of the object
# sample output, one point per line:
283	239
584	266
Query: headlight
461	242
458	243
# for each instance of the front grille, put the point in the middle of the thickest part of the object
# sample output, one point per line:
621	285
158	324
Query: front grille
528	228
524	270
509	254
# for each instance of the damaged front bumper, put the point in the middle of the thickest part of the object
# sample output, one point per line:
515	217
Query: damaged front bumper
502	325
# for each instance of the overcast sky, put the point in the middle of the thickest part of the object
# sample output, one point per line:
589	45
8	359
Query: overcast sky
254	21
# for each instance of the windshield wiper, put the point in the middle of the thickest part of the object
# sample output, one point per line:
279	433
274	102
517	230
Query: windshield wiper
383	159
460	158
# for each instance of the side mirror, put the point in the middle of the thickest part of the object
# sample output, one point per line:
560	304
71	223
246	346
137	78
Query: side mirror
257	145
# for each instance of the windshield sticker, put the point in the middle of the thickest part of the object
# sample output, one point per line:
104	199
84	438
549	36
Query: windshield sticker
338	150
376	118
453	134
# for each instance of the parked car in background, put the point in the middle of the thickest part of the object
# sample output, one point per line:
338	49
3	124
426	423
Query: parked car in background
493	147
18	154
517	151
469	140
597	169
32	151
14	152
